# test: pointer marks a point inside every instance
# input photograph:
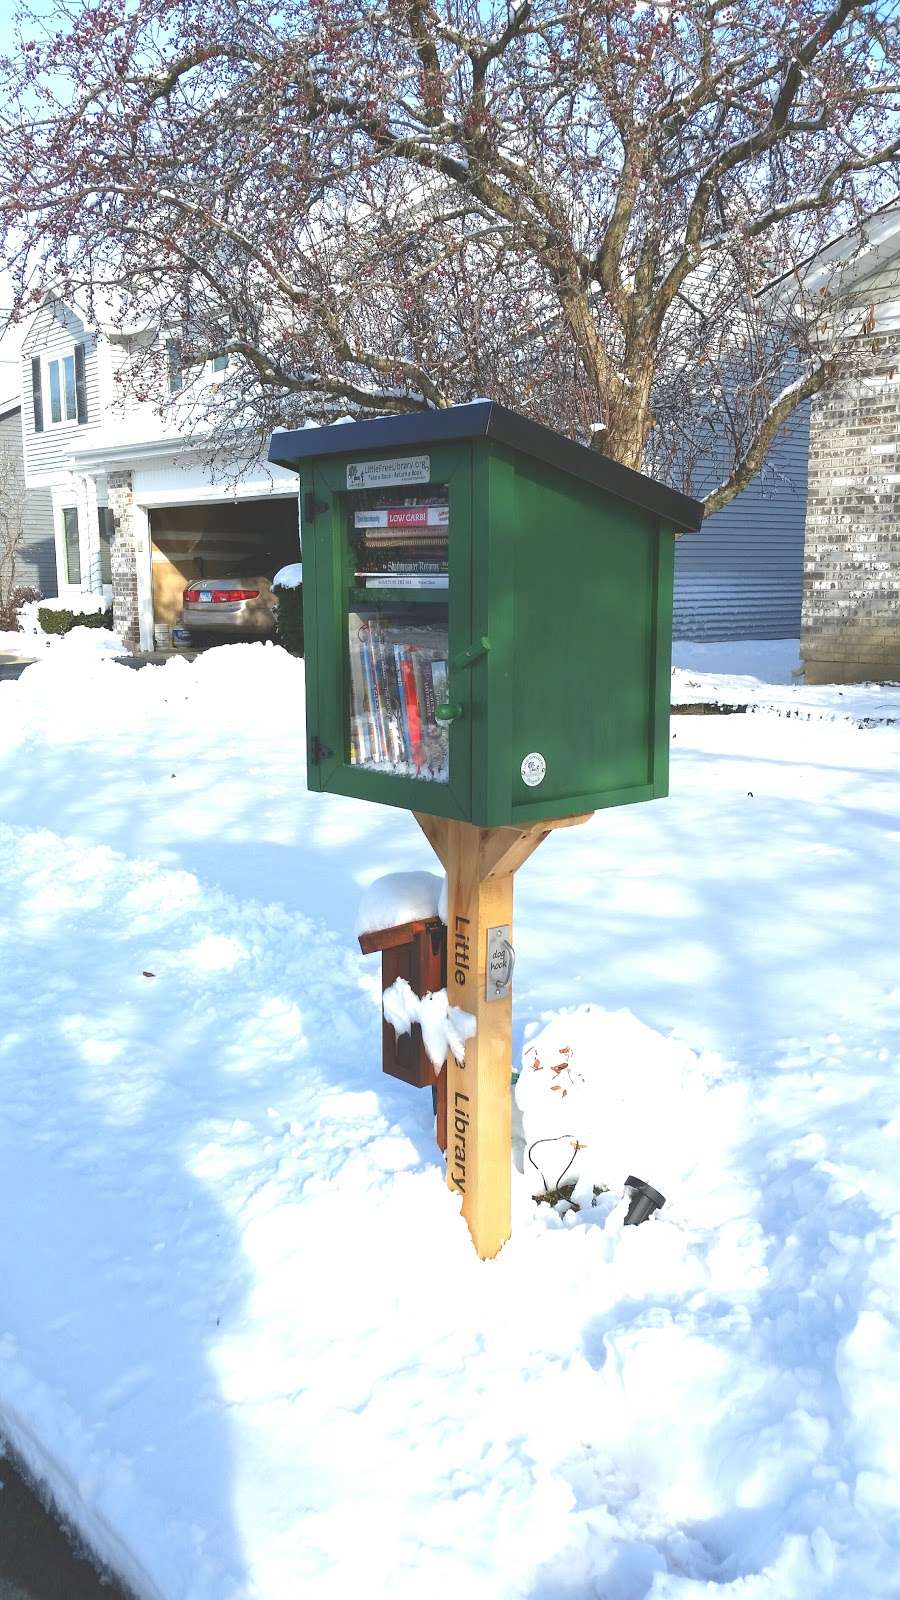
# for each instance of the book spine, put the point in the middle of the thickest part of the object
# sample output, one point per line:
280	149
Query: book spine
378	719
400	580
412	707
403	517
428	698
390	698
391	539
369	692
439	682
361	711
404	715
404	568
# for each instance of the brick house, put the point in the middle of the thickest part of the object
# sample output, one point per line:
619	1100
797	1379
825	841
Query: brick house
851	585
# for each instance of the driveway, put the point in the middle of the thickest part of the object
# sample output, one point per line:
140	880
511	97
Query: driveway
37	1561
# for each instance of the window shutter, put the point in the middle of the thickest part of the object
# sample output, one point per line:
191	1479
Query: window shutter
80	386
37	396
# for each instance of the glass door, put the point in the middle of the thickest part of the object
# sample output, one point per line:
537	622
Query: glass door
398	631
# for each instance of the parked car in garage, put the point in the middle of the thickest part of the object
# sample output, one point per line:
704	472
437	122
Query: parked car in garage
235	608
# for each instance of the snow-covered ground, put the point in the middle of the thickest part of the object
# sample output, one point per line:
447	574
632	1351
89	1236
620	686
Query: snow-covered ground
243	1337
764	675
771	660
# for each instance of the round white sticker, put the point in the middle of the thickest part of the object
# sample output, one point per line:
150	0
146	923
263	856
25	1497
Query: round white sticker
534	769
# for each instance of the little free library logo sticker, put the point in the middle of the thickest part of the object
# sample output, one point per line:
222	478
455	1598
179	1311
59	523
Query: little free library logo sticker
386	473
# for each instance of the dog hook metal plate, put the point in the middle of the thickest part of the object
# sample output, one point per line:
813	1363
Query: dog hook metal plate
501	959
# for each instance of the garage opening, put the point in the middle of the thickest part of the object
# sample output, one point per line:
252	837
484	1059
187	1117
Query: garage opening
233	539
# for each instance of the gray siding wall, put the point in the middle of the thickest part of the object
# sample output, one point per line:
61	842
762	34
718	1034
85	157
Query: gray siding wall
36	556
55	330
741	576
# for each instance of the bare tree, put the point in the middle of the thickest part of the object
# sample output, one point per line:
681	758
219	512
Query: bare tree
597	213
12	529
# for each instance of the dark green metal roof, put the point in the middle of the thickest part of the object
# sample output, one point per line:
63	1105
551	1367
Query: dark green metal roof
484	419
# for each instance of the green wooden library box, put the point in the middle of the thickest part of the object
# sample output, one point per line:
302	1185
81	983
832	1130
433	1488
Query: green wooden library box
487	616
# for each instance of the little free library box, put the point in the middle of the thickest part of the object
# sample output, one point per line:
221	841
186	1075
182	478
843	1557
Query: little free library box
487	616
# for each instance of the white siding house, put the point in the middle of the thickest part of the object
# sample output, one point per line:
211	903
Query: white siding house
108	462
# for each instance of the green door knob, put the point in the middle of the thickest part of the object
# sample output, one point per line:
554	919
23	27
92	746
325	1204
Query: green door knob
447	712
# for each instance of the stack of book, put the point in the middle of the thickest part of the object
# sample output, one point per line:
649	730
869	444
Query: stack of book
398	677
402	547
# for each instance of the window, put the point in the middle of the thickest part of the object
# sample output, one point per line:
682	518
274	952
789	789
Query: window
173	366
219	363
107	533
61	376
55	399
62	384
73	551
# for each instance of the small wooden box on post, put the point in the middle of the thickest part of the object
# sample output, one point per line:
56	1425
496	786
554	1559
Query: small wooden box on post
417	952
487	615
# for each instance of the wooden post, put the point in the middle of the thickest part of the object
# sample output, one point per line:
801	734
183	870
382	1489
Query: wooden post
480	864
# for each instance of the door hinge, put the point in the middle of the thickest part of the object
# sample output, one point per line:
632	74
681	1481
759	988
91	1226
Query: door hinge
318	751
312	506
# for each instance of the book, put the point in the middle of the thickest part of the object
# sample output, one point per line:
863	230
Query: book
360	709
392	539
439	682
428	700
401	566
403	517
414	721
401	580
397	671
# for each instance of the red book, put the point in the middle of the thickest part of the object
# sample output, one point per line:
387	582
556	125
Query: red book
414	721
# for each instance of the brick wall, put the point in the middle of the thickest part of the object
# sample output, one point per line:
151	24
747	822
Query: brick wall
851	582
123	561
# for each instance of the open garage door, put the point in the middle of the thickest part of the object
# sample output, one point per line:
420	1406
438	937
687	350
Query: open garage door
232	539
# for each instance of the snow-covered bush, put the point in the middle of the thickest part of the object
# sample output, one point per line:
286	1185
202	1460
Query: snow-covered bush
61	619
80	605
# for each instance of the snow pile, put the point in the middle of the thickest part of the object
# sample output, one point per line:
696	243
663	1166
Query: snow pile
445	1028
289	577
400	897
82	605
601	1095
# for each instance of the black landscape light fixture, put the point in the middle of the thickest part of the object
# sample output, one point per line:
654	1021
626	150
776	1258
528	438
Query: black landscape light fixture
644	1201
